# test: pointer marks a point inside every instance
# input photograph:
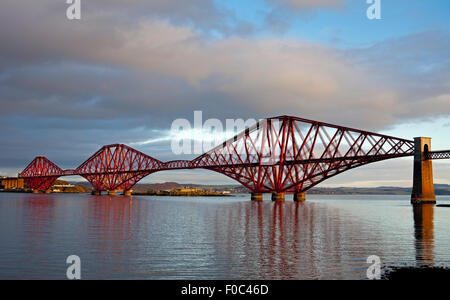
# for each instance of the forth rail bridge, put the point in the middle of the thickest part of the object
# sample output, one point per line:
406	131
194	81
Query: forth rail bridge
277	155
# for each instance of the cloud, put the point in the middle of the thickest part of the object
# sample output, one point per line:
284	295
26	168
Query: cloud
283	12
125	69
155	68
204	16
307	4
417	67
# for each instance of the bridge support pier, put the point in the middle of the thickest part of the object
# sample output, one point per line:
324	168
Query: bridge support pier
257	197
127	193
112	193
96	193
423	189
36	192
278	197
300	197
48	191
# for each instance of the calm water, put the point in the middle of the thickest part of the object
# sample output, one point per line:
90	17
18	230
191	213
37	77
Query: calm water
328	237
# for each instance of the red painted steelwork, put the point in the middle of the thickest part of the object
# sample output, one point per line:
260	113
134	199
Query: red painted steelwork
116	167
280	154
41	173
289	154
438	154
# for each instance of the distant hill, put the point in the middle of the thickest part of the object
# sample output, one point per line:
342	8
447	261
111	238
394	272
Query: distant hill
143	187
166	186
66	187
440	189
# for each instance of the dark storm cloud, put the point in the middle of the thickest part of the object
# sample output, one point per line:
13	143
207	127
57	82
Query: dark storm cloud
68	142
86	92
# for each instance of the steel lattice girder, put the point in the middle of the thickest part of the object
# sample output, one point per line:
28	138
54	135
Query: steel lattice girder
288	154
41	167
281	154
117	167
439	154
41	173
40	183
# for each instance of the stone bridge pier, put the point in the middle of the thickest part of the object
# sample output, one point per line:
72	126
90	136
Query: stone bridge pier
423	189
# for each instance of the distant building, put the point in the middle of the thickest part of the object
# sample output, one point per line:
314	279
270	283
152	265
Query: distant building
188	190
12	183
63	185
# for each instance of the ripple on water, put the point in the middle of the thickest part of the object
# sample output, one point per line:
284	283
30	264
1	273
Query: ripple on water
327	237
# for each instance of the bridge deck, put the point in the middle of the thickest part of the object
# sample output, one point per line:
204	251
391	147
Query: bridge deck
444	154
276	154
179	165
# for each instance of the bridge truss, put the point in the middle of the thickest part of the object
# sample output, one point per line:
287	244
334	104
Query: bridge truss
289	154
439	154
280	154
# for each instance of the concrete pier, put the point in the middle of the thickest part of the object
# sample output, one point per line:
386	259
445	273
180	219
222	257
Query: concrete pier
300	197
36	192
112	193
423	189
278	197
257	197
127	193
96	193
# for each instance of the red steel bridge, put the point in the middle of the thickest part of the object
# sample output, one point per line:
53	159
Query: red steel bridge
277	155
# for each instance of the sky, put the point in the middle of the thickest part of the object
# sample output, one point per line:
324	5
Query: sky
127	69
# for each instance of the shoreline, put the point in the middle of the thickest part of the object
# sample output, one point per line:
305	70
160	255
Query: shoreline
133	194
183	195
209	195
415	273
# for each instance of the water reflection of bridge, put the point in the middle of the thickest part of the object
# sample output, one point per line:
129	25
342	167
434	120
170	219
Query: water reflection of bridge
250	240
424	234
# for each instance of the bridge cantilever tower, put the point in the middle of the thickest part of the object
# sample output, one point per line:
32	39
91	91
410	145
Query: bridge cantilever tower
423	188
291	155
40	174
277	155
117	167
